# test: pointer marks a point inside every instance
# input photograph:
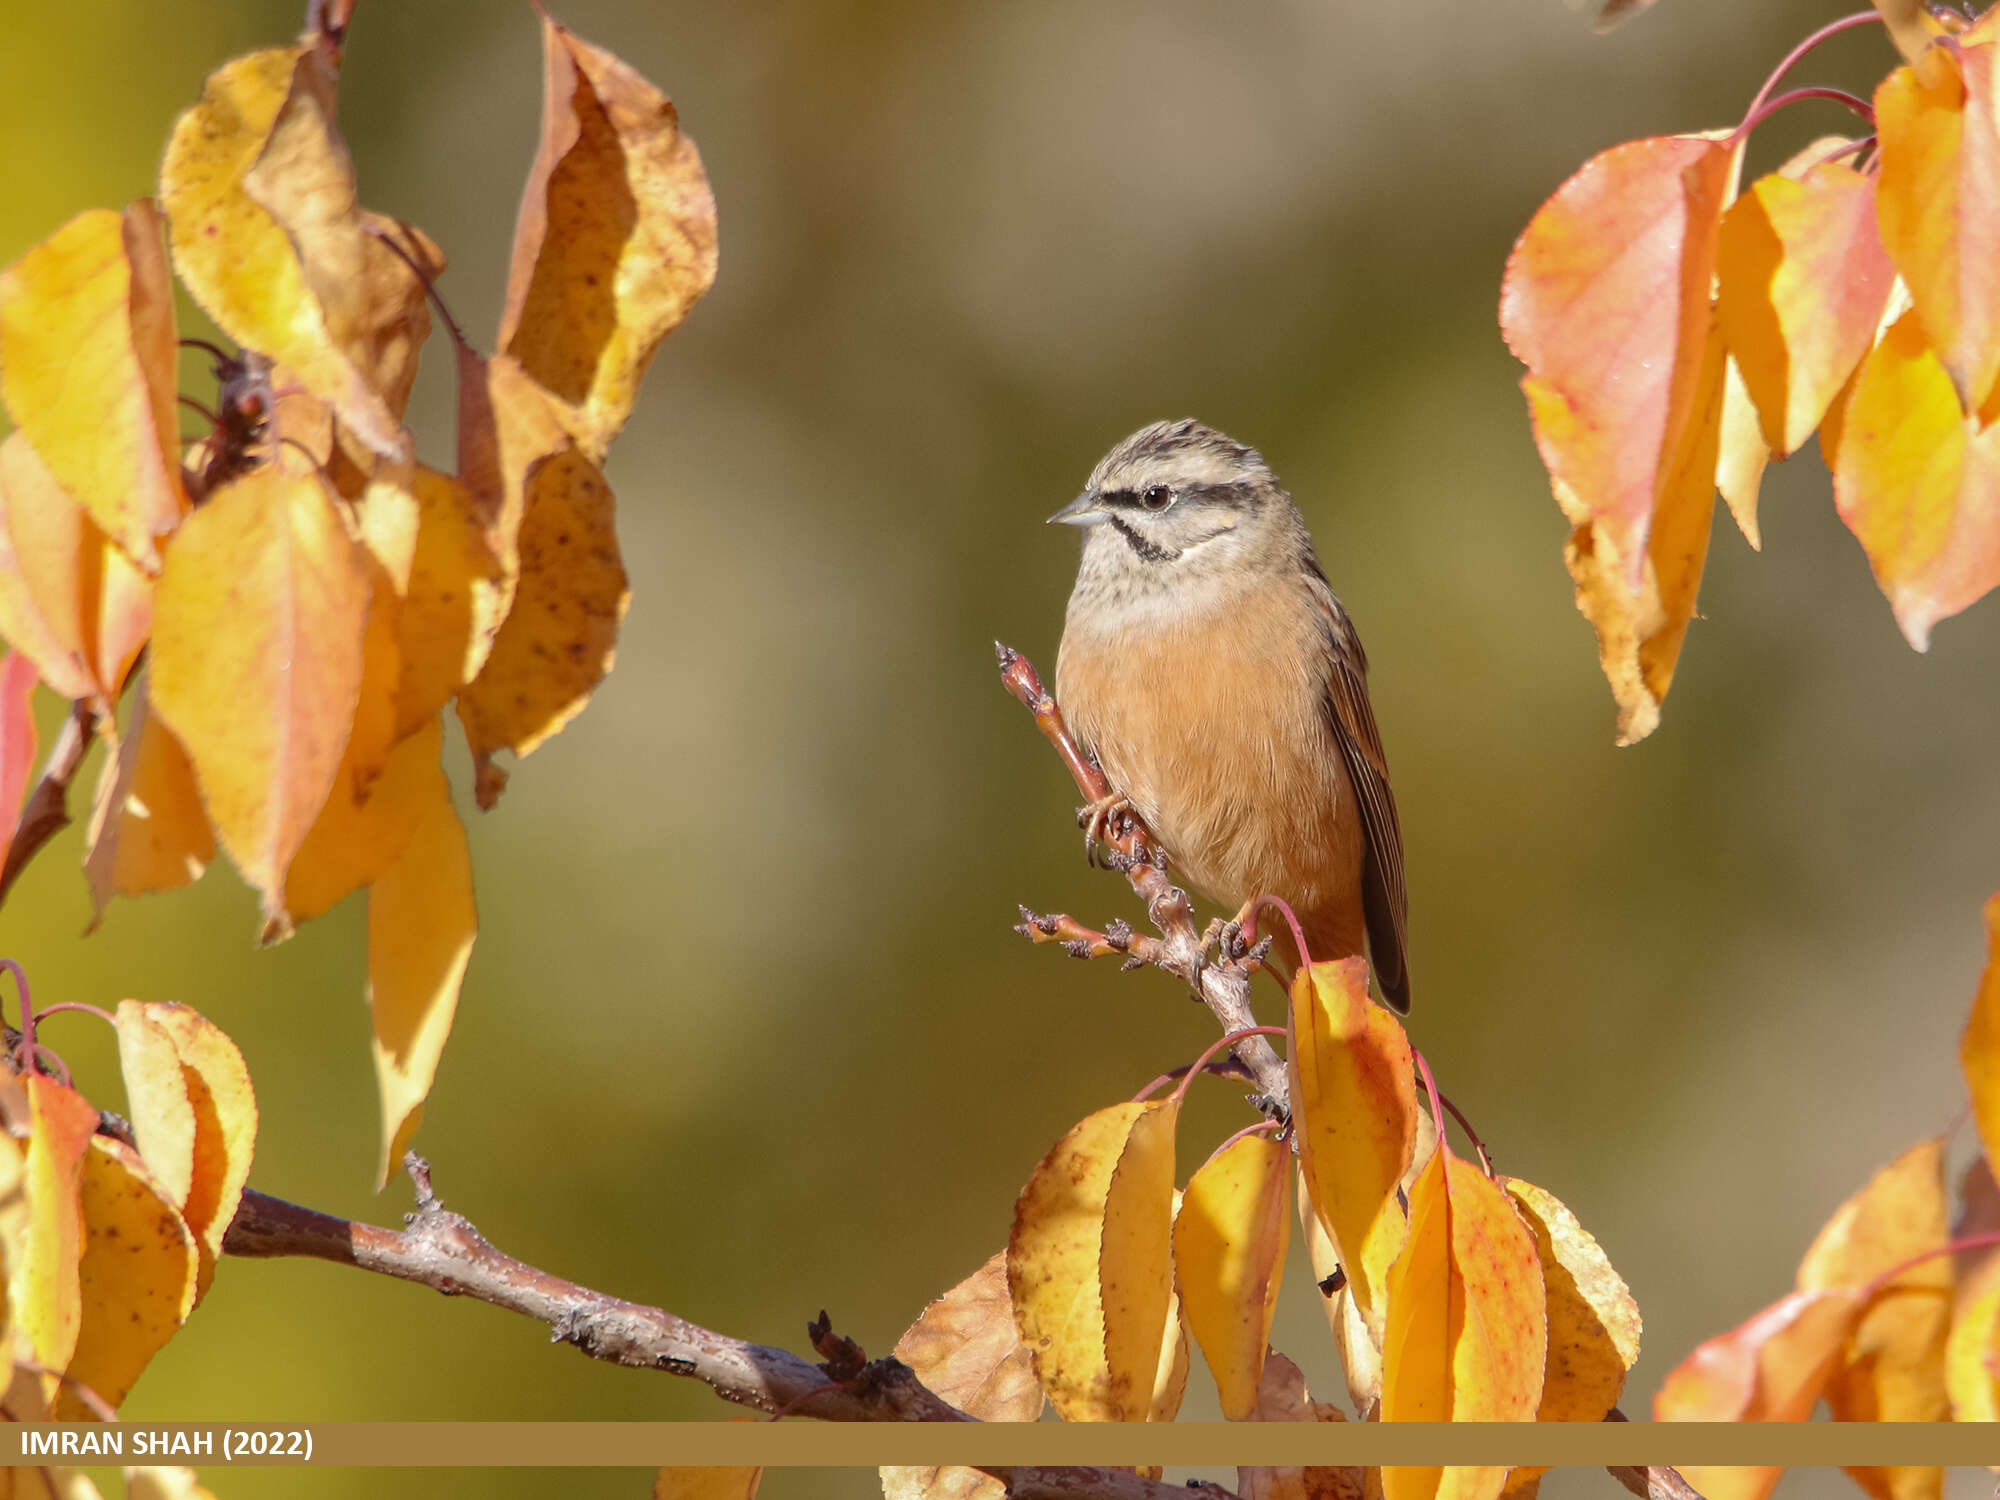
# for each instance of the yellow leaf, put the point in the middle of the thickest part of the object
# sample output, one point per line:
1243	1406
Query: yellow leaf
1229	1259
616	238
69	598
1467	1339
1741	455
45	1295
89	370
450	584
1916	482
158	1099
560	636
1593	1321
258	660
1971	1382
267	237
1360	1348
1355	1096
225	1113
1938	206
356	839
421	923
707	1484
148	831
1089	1262
138	1275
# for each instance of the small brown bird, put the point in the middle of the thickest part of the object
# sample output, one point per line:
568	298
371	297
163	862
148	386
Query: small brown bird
1209	668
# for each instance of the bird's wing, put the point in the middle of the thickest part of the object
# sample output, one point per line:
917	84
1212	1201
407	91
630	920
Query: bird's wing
1385	902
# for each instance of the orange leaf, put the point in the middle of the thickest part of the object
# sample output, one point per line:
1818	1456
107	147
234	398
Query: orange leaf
1970	1378
560	636
1639	634
1467	1337
1892	1368
45	1296
616	238
1804	279
258	661
148	831
1360	1347
89	369
355	840
1229	1260
1772	1368
267	237
1089	1263
1355	1093
18	741
1938	204
68	596
1606	300
137	1277
1918	484
421	923
217	1087
1979	1047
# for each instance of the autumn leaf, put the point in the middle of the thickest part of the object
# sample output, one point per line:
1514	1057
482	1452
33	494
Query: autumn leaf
1971	1383
137	1278
421	923
1089	1263
1355	1091
1938	203
1892	1368
1467	1337
615	240
69	597
1772	1368
258	660
559	639
1593	1322
181	1067
267	236
162	1482
1741	454
1229	1258
356	839
18	741
1282	1397
1918	483
44	1295
1360	1349
1804	279
148	831
968	1350
89	370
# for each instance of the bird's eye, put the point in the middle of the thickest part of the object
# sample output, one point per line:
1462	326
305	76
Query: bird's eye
1157	497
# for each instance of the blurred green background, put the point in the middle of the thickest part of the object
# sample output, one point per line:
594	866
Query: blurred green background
746	1032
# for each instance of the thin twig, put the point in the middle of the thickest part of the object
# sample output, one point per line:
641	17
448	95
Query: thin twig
46	812
1653	1481
1224	986
442	1250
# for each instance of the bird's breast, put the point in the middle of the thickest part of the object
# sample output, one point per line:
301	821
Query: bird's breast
1214	723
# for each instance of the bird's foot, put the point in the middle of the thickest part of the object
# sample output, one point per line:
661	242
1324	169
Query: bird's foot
1101	821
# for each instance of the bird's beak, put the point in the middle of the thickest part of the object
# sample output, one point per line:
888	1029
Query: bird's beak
1082	511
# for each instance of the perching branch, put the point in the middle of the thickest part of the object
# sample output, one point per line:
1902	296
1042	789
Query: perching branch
46	812
1223	985
442	1250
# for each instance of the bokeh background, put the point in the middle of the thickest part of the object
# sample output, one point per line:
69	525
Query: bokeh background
746	1032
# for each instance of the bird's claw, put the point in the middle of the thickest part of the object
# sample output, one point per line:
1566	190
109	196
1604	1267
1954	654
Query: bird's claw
1102	820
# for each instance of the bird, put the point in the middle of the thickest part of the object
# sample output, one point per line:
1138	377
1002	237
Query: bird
1208	668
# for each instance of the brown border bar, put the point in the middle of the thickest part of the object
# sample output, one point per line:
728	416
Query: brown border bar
1178	1444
